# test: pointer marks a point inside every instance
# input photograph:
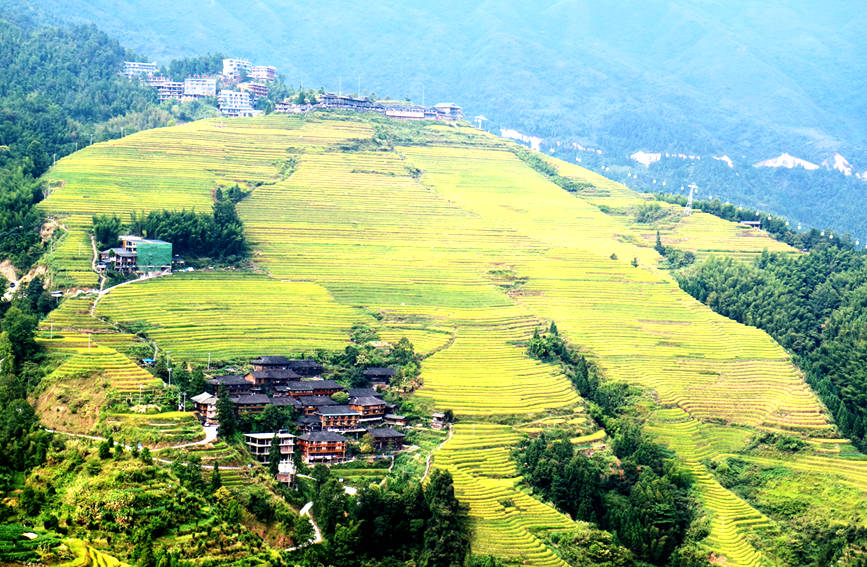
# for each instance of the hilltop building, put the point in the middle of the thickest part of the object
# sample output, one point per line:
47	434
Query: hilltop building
169	90
256	90
137	255
197	87
137	69
232	67
265	73
236	103
344	102
449	111
259	445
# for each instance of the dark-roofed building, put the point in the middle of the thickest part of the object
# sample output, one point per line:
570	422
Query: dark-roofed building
310	404
386	438
364	393
234	384
394	419
270	363
312	388
266	380
380	376
306	367
322	447
307	423
286	402
338	418
369	407
206	407
249	403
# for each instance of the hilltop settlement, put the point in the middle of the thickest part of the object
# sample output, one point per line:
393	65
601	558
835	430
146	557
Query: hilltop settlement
240	84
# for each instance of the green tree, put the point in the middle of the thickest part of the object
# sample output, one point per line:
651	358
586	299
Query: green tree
104	450
274	455
20	329
446	540
216	479
226	414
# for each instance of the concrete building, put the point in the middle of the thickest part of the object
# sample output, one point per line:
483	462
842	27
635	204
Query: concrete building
170	90
206	408
138	68
232	67
259	445
263	73
235	103
200	87
256	90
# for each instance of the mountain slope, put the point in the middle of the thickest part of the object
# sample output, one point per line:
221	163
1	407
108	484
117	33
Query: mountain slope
441	232
745	79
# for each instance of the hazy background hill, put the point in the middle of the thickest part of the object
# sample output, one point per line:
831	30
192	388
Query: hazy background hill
746	79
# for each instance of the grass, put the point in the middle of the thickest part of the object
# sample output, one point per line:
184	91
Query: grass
451	240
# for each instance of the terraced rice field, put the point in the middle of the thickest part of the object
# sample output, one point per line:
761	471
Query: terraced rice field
231	316
123	375
462	247
505	519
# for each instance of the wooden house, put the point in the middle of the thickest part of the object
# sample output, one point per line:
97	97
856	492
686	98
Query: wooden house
394	419
438	420
311	388
233	383
370	408
339	418
205	408
245	404
322	447
386	438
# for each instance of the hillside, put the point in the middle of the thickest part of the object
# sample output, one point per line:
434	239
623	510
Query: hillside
744	79
442	234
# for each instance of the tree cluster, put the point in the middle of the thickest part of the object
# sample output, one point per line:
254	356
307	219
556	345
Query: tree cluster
216	235
389	525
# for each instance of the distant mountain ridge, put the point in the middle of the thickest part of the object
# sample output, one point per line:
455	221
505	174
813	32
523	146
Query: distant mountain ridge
745	79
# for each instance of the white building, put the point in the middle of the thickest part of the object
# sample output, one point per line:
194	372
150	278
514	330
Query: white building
235	103
262	72
232	67
169	90
200	86
256	90
259	445
137	68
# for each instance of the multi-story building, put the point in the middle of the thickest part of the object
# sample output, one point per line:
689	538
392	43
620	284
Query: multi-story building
449	111
256	90
138	68
200	87
235	103
259	445
311	388
206	408
322	447
170	90
342	419
371	409
263	73
232	67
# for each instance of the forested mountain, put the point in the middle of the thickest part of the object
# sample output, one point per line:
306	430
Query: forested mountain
744	79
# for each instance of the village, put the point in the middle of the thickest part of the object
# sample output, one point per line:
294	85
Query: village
328	416
241	84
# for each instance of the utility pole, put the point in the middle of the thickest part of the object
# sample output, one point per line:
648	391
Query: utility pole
139	392
55	160
51	336
688	210
209	361
88	343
